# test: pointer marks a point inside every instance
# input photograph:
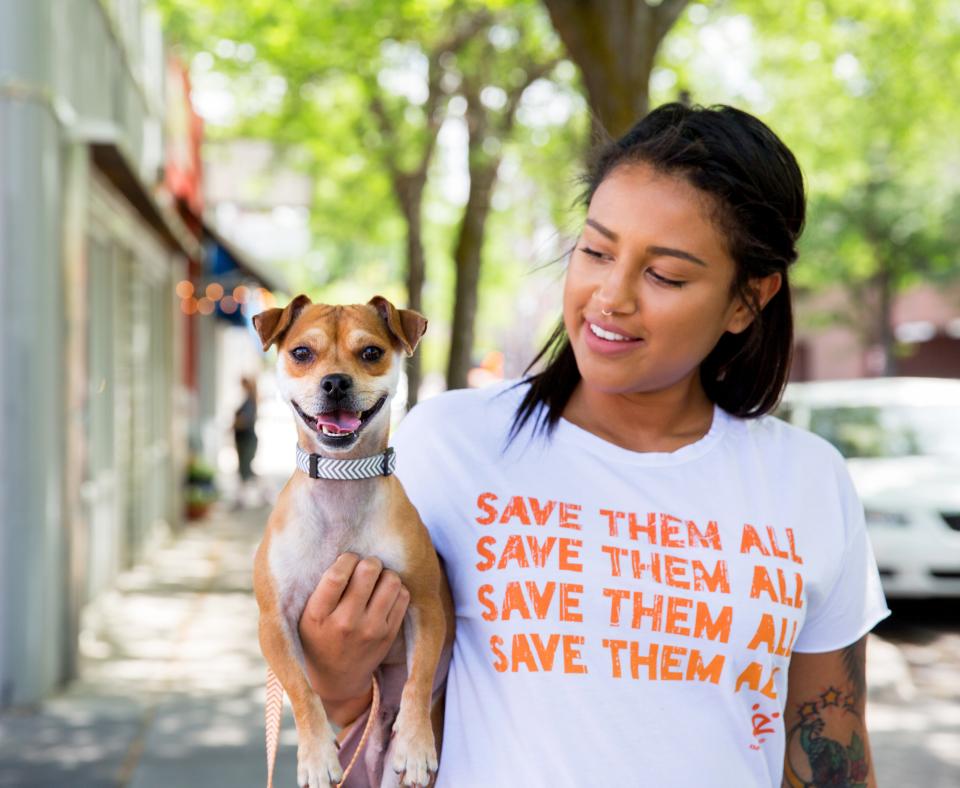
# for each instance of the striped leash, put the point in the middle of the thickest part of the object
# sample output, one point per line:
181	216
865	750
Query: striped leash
274	711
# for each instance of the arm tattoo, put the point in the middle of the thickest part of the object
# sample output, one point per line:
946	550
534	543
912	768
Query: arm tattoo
854	661
821	748
816	753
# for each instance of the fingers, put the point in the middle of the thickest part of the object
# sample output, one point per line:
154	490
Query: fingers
397	612
329	591
388	593
357	595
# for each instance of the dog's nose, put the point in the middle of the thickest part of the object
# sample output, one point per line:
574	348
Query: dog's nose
336	385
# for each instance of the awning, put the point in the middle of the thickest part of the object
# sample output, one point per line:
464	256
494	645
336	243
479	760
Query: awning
227	266
227	260
110	159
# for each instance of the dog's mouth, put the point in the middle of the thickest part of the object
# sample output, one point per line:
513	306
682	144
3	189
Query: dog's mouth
341	425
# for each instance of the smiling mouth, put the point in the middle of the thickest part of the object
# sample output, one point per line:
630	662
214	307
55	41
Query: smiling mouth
340	425
610	336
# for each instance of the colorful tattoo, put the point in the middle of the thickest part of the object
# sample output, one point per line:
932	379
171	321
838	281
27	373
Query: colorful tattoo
816	754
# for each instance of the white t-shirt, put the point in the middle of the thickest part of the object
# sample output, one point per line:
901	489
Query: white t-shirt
626	618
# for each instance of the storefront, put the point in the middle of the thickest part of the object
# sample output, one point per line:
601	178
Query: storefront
92	414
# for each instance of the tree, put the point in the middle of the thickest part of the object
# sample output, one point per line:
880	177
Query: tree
872	125
614	43
409	183
369	79
515	55
366	106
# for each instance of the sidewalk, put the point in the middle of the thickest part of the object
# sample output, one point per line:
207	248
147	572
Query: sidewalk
172	679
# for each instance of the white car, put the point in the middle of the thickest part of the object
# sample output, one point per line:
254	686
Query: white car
901	439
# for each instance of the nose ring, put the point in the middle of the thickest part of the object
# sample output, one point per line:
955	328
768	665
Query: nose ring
605	312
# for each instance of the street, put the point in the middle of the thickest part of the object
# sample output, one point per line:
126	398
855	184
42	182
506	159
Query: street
172	683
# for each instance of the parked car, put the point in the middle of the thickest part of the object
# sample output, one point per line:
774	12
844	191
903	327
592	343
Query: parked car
901	439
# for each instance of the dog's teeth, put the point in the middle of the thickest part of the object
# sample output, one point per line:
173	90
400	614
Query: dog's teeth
331	433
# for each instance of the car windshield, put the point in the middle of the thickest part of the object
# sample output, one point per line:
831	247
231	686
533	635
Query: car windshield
889	431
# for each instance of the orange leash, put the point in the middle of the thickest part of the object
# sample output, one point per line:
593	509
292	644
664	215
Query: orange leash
273	711
374	709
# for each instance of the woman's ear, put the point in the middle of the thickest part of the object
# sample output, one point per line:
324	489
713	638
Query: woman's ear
762	289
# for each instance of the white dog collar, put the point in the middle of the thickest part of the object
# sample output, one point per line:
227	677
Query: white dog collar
317	467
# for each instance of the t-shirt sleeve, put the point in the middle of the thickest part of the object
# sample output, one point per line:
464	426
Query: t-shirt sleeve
854	603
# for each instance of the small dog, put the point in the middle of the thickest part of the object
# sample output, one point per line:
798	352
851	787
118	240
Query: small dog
338	368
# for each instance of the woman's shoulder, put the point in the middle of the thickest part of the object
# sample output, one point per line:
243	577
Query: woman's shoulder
773	436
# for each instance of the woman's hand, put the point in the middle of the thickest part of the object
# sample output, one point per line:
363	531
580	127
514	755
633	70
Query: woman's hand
348	625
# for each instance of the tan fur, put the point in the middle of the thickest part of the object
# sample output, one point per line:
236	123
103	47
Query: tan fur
316	520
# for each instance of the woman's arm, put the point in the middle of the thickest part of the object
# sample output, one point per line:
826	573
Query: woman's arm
827	740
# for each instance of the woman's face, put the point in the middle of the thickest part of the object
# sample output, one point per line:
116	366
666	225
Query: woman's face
651	257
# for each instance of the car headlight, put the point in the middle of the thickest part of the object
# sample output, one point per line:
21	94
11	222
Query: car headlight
884	519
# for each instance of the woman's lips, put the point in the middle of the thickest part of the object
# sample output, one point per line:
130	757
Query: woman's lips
607	347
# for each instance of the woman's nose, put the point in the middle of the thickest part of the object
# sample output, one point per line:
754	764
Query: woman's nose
617	292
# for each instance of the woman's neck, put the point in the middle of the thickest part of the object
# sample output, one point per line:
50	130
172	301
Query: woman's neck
658	421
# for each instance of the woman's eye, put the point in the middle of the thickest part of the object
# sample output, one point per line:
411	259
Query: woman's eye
664	280
592	252
301	354
371	353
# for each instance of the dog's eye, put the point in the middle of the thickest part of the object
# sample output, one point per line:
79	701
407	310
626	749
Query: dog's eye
371	353
301	354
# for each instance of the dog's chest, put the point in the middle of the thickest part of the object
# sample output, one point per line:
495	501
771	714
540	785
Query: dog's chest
325	521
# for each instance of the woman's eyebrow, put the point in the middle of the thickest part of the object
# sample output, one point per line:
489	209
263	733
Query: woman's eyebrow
603	230
666	250
661	250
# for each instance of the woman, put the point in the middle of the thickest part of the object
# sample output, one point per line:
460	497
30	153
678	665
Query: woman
656	582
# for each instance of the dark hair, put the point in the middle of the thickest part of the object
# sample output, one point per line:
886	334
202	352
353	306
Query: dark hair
757	190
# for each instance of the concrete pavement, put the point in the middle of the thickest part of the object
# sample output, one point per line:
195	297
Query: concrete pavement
171	694
913	714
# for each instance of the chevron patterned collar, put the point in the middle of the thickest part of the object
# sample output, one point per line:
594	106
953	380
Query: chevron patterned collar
317	467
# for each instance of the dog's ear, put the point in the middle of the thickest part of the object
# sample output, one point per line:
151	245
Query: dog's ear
405	324
273	323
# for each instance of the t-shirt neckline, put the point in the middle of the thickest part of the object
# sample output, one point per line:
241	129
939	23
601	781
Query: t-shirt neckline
569	432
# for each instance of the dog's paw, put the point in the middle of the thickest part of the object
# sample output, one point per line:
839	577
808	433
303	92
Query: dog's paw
415	756
318	765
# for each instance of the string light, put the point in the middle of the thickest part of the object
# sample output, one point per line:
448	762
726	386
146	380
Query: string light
241	299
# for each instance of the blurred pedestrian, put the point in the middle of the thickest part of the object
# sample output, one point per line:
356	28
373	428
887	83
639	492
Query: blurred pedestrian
245	434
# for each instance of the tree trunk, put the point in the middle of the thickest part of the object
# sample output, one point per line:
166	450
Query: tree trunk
410	195
885	320
483	176
614	44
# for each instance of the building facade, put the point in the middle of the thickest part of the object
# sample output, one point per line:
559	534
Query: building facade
92	421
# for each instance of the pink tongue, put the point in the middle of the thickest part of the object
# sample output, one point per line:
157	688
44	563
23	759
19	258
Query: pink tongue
343	420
